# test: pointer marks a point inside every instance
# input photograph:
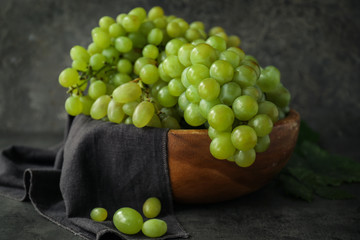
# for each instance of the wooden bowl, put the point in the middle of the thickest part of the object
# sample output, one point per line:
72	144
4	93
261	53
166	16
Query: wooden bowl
197	177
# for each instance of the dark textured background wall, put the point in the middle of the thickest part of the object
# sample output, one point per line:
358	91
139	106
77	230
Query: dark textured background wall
315	44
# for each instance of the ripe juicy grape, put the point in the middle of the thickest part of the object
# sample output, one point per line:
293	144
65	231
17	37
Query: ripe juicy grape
153	70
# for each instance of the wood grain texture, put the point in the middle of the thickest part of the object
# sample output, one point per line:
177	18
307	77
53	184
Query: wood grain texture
197	177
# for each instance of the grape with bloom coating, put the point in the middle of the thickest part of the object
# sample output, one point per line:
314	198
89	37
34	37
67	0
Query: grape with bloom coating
128	220
152	207
98	214
154	228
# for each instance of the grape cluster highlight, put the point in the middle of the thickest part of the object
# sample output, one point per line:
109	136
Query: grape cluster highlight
152	70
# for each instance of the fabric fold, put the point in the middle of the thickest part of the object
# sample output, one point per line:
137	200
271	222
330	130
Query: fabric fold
100	164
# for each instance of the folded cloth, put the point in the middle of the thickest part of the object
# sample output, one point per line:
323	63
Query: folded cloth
100	164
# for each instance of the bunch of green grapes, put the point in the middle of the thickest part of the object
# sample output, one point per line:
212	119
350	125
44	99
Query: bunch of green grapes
149	69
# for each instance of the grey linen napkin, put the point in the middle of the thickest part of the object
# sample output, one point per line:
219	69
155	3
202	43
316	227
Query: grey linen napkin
100	164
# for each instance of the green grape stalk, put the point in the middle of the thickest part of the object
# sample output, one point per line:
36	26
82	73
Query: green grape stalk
153	70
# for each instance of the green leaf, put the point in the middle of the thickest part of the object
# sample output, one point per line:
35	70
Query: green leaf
333	193
295	188
312	170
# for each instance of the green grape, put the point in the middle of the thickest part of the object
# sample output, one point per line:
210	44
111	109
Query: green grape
205	106
99	108
105	22
270	109
184	79
222	71
164	112
254	92
220	117
124	66
203	54
213	133
221	146
172	47
262	144
132	56
93	48
97	89
223	35
128	220
129	107
184	54
245	158
217	42
116	30
173	29
170	122
98	214
269	79
183	102
150	51
243	137
192	94
69	77
231	57
280	96
127	92
149	74
182	24
123	44
152	207
245	107
172	66
155	88
97	61
128	120
197	25
120	78
120	17
155	12
176	88
138	39
162	74
73	105
140	12
196	73
140	62
154	122
229	92
143	113
87	102
146	27
154	228
233	41
262	124
193	116
115	112
131	23
238	51
79	65
165	98
160	22
101	39
79	53
155	36
111	54
209	89
192	34
215	30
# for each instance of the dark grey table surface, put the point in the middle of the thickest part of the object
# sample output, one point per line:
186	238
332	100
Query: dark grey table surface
265	214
